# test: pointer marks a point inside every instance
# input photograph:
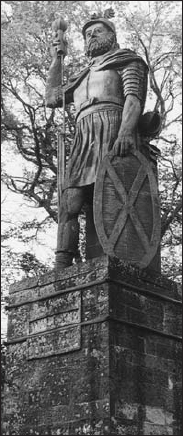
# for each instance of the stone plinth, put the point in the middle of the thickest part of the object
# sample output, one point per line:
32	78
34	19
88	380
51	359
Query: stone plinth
94	350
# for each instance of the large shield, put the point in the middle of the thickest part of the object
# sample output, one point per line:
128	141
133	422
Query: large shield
127	209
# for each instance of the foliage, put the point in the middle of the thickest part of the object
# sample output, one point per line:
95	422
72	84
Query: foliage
19	262
151	28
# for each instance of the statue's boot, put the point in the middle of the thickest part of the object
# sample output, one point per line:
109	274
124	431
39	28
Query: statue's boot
67	247
63	260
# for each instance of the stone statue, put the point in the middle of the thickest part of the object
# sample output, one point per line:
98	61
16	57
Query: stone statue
109	97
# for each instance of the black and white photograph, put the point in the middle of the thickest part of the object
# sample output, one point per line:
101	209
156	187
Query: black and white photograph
91	218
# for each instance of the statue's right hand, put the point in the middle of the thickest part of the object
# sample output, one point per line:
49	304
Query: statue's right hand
60	42
125	143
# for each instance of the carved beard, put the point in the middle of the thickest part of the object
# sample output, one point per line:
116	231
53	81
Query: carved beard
100	45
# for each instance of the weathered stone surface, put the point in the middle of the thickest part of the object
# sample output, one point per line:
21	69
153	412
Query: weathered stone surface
97	353
145	310
46	314
151	429
58	342
155	415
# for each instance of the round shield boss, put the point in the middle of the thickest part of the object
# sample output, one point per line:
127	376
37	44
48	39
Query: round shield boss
127	209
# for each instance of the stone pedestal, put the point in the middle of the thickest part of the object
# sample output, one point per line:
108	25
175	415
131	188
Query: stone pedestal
94	350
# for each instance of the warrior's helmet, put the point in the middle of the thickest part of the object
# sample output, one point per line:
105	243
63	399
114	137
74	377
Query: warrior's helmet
101	18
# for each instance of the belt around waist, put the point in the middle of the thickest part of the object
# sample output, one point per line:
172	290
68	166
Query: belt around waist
98	106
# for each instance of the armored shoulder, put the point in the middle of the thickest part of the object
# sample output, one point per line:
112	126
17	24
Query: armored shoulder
134	80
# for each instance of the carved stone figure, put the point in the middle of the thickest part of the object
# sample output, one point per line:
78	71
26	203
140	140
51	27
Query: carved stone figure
109	97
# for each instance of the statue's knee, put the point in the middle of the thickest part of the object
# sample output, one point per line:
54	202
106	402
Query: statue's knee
72	201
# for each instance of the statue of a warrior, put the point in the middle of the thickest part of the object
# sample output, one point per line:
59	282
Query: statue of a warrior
109	97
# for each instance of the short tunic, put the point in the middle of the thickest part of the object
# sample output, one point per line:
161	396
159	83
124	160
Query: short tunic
94	137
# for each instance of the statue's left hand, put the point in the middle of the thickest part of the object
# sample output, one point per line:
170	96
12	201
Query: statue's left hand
124	144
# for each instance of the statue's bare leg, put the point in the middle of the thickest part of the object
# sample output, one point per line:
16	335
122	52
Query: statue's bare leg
68	227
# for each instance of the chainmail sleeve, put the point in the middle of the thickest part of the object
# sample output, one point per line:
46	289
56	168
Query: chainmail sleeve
134	81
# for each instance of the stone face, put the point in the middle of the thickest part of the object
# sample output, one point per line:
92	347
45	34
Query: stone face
94	349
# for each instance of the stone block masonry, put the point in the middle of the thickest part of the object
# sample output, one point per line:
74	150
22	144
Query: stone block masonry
94	350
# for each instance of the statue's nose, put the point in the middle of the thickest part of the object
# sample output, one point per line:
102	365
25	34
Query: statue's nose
93	33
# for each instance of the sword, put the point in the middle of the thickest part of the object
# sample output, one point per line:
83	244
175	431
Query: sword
59	26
